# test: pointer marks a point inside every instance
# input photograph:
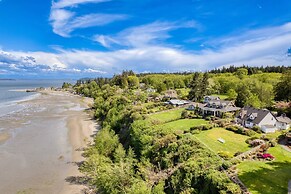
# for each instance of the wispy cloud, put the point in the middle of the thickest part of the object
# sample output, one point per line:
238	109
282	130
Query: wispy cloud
72	3
143	35
270	49
64	21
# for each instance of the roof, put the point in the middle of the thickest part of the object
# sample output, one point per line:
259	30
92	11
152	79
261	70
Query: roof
212	97
178	102
259	114
225	108
284	119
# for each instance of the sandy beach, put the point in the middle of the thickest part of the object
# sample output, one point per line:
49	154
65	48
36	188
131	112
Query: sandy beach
40	145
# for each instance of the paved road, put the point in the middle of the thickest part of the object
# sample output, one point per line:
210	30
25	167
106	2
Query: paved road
289	187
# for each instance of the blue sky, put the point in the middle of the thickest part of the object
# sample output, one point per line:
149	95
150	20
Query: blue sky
90	38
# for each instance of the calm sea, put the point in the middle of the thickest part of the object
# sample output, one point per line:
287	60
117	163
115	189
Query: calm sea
10	92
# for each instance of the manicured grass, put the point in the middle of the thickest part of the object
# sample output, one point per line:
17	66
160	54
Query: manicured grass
233	142
183	124
167	116
267	177
270	135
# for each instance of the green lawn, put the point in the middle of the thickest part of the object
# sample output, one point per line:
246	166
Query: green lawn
183	124
267	177
167	116
233	142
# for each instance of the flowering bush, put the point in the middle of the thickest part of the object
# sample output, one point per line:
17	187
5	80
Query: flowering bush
266	156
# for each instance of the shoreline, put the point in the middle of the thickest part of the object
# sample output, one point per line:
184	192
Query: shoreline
81	129
66	129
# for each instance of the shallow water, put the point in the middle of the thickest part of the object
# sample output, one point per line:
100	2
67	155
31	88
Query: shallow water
12	92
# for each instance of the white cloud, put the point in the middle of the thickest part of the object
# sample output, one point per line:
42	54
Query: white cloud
64	21
143	35
270	49
71	3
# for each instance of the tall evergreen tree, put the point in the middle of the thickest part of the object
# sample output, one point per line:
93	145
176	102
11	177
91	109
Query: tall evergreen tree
204	85
195	87
283	88
199	87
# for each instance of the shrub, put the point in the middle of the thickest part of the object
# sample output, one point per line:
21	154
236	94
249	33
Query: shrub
199	128
257	129
221	123
207	118
249	133
225	155
235	161
207	127
232	128
240	130
199	117
195	131
184	114
237	154
272	142
227	164
249	140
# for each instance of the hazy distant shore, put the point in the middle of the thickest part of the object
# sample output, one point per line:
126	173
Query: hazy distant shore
38	145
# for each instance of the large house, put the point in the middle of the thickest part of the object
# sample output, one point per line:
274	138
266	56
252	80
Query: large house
217	107
250	117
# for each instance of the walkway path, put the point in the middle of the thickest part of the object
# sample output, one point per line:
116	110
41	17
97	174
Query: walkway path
289	187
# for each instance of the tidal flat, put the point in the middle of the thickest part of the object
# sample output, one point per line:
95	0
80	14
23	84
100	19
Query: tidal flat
40	145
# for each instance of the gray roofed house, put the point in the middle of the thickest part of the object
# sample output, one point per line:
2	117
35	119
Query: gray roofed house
250	117
217	107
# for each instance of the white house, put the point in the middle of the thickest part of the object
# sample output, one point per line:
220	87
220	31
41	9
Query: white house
217	108
250	117
283	122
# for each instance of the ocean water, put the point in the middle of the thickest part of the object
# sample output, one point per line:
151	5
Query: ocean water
11	92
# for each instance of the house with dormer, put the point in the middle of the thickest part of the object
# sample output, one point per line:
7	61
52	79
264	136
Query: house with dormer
216	107
250	117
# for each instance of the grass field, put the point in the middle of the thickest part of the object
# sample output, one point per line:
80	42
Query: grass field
233	142
183	124
167	116
267	177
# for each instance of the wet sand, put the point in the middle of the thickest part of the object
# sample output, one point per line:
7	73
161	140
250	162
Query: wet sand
39	145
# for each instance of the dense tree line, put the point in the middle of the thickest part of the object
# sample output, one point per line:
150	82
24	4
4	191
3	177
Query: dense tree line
252	70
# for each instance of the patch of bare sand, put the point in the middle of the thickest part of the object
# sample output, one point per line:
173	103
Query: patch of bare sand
4	137
81	129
